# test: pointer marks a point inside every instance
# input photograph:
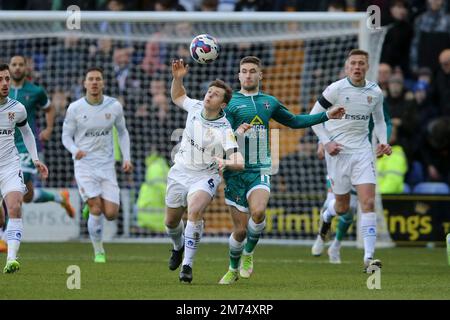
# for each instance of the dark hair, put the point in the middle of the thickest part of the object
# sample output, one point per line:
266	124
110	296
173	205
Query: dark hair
223	85
19	55
358	52
250	59
94	69
3	67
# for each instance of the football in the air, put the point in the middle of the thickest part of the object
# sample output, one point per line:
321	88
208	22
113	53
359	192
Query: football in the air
204	49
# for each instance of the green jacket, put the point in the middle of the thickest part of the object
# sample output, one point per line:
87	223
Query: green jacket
152	193
391	171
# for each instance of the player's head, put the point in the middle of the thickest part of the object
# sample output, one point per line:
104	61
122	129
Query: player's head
218	95
357	64
5	80
250	73
93	82
18	67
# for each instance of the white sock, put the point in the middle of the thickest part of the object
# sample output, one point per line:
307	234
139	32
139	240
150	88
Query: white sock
95	228
369	233
236	248
329	213
176	235
14	233
336	244
192	235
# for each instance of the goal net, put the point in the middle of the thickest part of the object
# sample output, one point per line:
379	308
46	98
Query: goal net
301	52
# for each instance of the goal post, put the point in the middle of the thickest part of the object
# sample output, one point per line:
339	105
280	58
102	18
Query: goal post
301	54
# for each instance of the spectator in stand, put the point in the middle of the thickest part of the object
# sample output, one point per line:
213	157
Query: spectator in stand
384	74
165	5
431	36
404	116
209	5
253	5
396	45
436	150
441	84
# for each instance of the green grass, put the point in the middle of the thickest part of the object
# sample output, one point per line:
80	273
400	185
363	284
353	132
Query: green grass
139	271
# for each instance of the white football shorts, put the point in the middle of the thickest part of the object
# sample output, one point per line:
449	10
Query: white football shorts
11	178
94	182
347	170
182	182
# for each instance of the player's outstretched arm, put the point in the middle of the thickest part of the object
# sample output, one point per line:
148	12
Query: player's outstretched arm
234	162
30	144
177	90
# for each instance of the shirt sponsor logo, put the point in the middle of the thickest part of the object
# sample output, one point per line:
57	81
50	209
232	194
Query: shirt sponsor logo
97	133
357	117
197	146
6	132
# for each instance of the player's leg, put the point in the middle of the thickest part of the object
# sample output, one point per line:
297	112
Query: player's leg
39	195
235	198
317	248
339	170
364	179
14	230
3	243
258	198
366	196
176	203
197	203
175	231
95	228
236	243
344	223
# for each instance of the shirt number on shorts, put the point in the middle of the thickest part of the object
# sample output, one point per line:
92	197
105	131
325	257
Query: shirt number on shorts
211	183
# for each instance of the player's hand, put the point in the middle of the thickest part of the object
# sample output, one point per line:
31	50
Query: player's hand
243	128
383	149
320	151
219	164
179	68
42	169
336	112
333	148
45	134
80	154
127	166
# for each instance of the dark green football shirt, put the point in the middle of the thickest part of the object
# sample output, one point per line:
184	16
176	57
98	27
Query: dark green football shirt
33	97
258	109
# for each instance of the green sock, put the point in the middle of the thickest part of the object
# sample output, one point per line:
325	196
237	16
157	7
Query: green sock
254	231
41	195
345	221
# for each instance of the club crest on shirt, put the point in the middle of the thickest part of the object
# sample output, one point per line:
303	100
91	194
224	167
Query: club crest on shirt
11	116
369	99
108	116
267	105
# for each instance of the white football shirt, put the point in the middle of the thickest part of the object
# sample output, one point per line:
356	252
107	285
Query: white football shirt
203	139
12	112
91	126
352	130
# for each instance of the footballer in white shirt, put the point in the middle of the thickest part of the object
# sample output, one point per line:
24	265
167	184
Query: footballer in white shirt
87	134
349	157
208	147
12	187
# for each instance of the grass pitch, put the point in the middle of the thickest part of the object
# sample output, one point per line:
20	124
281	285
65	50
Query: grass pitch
139	271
